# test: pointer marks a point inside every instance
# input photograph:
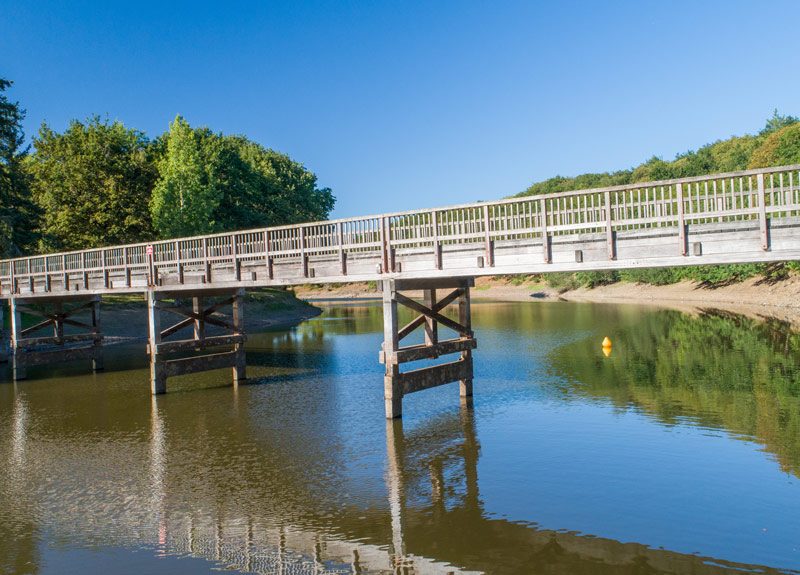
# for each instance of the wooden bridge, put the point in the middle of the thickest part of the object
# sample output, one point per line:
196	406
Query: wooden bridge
740	217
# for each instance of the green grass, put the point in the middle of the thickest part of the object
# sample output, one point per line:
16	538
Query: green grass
710	276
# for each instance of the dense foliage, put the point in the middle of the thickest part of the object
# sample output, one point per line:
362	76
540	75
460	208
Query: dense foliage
100	182
17	212
777	144
210	182
93	183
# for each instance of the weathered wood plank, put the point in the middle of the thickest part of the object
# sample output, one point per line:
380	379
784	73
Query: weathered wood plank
424	351
199	344
41	357
445	321
30	342
208	362
428	377
420	320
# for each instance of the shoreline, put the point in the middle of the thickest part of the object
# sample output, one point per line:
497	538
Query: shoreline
755	297
126	323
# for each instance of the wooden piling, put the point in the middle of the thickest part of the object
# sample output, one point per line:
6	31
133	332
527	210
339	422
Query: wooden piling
397	384
204	311
29	347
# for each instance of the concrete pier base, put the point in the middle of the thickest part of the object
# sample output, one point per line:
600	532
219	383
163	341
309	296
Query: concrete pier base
205	310
397	384
29	347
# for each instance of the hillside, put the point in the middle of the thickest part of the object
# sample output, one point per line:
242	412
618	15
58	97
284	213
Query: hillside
775	145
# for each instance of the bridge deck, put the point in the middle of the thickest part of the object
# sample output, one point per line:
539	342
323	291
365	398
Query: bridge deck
749	216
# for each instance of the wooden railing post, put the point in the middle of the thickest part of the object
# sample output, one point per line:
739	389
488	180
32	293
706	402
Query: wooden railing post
106	274
342	253
545	237
384	245
125	267
762	213
681	219
85	271
47	285
237	264
178	262
487	232
303	257
206	262
267	257
437	248
612	252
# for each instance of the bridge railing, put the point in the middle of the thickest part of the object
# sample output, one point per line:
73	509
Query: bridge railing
747	195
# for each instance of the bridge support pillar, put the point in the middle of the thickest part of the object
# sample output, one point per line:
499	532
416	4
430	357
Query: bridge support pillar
29	348
201	317
397	384
4	337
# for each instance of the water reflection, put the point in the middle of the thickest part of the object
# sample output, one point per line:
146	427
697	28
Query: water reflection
716	369
298	472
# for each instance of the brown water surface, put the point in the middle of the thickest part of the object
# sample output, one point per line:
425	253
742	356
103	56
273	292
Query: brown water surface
679	453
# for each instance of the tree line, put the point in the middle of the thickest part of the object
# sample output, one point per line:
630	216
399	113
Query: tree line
777	144
101	183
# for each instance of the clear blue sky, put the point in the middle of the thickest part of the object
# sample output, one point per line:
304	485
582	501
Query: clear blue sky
409	105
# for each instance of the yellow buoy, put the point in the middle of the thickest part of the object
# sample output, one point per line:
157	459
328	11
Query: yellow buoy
606	342
607	351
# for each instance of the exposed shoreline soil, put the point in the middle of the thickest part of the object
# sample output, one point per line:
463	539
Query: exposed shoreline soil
126	322
754	297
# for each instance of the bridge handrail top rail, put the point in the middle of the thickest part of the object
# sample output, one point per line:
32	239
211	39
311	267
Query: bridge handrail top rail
478	204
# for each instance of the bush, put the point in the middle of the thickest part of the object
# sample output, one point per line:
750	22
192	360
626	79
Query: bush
594	279
716	276
653	276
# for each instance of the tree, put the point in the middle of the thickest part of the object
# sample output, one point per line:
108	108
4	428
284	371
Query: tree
778	121
184	199
281	190
18	214
213	183
93	183
780	148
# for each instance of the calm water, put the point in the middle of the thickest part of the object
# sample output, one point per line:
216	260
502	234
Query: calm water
679	453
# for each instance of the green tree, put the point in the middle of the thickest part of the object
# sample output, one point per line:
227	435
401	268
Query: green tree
18	214
778	121
185	198
283	191
93	183
781	147
212	183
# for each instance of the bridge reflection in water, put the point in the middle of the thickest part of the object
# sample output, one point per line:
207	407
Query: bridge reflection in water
435	522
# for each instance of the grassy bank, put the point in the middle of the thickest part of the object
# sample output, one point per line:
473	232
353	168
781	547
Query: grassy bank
706	276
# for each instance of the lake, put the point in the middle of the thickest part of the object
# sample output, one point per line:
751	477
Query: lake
677	453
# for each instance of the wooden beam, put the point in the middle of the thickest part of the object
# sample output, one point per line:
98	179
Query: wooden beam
445	321
414	284
179	326
428	377
431	327
58	355
38	326
56	340
188	365
199	344
422	351
419	320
